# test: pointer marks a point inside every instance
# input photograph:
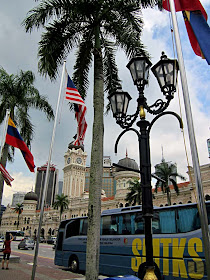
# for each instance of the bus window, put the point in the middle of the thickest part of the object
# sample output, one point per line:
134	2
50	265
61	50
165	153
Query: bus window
72	228
167	221
106	222
60	241
126	226
156	223
208	212
139	224
83	226
187	219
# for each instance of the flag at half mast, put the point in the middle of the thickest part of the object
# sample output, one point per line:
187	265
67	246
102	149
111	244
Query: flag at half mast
14	139
73	96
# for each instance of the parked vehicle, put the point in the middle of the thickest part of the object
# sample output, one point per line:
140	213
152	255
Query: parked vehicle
42	240
1	245
26	244
51	240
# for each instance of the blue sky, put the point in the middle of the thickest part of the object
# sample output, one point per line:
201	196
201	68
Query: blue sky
18	50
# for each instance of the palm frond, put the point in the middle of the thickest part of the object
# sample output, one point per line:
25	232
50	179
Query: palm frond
82	65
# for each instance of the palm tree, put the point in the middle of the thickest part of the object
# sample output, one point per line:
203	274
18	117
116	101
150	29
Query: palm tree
61	202
18	210
133	197
17	93
168	173
94	28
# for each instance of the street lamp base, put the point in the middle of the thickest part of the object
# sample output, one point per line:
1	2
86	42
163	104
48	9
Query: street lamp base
150	274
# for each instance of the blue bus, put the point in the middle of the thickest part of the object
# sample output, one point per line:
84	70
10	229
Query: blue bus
177	242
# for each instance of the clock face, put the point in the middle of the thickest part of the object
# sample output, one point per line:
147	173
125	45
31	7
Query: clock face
79	160
68	160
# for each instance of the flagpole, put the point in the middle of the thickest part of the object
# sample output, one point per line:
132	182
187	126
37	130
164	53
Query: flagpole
4	131
193	146
47	178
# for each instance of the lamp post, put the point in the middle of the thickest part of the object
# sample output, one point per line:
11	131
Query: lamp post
165	71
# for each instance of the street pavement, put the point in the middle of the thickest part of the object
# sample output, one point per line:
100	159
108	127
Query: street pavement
46	270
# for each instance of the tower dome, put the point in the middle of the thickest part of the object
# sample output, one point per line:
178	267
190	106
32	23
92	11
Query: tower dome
127	162
31	196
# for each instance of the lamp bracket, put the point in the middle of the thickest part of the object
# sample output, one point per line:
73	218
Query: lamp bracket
158	107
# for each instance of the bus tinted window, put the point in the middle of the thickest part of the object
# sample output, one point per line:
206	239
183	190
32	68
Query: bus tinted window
187	219
60	241
109	225
167	221
83	226
72	228
208	212
139	224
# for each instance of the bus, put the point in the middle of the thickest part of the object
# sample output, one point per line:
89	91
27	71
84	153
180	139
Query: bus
177	242
17	234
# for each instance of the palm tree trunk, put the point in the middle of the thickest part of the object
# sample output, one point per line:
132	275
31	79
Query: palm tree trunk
96	168
168	196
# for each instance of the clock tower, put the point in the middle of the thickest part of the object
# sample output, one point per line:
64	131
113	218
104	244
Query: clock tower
74	171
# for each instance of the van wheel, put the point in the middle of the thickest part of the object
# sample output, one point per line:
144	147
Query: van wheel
74	264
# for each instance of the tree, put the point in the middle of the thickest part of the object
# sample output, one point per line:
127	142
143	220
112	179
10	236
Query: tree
95	28
18	210
61	202
17	93
134	196
168	172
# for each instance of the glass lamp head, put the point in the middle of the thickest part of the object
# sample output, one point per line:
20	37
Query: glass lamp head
166	71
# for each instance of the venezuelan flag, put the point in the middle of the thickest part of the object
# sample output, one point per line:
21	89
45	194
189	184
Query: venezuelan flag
198	30
14	139
199	33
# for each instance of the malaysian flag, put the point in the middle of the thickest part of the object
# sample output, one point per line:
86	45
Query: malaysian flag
7	178
73	96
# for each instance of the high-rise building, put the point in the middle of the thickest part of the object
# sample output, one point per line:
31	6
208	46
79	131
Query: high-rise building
208	145
17	198
52	189
60	187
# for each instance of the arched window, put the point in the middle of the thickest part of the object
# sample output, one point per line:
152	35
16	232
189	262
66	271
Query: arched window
127	204
120	205
189	201
174	203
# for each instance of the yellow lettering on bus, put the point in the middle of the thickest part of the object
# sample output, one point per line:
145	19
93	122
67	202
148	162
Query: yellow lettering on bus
166	242
156	250
196	266
178	262
144	252
136	247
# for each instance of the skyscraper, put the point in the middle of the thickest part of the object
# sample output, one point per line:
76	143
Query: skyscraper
17	198
52	185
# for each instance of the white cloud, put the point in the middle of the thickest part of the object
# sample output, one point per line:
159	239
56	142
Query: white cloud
19	51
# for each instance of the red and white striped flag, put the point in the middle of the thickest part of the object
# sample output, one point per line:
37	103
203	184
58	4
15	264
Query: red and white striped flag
7	178
73	96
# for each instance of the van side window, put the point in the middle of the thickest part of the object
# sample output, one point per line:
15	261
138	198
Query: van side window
72	228
60	241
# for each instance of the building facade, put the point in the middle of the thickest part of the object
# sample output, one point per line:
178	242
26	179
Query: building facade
76	188
52	189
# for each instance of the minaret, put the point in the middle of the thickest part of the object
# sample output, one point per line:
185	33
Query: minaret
74	171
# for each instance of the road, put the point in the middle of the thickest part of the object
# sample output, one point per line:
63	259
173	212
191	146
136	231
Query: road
45	250
45	265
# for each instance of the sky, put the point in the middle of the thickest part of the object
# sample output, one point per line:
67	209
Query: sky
18	51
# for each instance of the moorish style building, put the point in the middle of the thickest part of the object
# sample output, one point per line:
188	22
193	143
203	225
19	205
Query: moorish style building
116	181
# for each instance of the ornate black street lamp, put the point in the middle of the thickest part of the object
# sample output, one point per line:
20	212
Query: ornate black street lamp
165	71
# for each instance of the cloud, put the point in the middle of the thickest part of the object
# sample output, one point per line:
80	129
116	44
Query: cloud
21	183
19	51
